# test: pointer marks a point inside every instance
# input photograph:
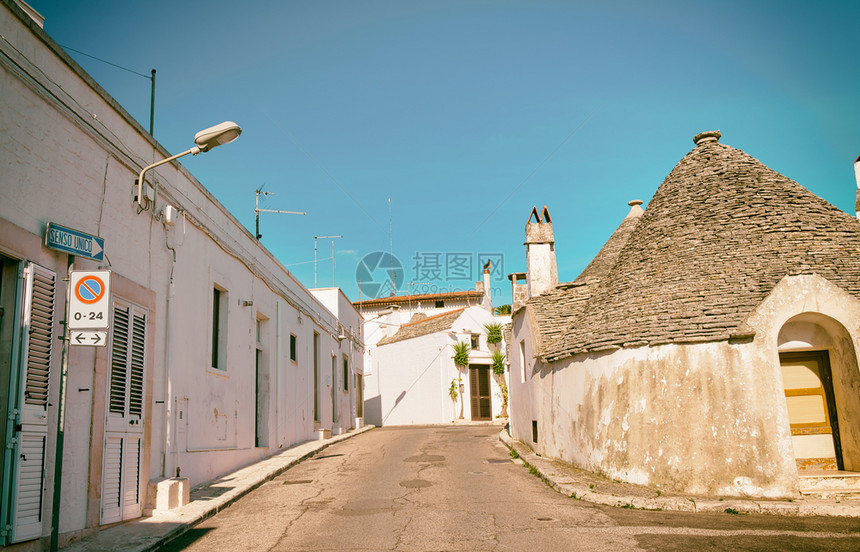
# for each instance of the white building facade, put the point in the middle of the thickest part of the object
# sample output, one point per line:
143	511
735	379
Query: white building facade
413	371
216	355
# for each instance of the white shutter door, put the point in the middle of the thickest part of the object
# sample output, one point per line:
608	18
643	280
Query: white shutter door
131	477
37	358
111	480
121	470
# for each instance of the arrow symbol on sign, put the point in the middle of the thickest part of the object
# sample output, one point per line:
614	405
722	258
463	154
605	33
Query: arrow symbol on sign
79	338
96	248
97	338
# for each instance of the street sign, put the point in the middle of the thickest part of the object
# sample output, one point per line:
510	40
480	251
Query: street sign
74	242
90	339
89	301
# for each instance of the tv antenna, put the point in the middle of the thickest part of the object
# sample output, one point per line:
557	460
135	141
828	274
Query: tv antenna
332	238
259	192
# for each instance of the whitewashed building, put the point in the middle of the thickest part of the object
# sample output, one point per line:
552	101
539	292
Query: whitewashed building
711	347
216	355
413	370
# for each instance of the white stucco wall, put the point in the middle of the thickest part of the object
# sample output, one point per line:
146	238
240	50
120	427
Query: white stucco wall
706	418
409	379
70	155
523	407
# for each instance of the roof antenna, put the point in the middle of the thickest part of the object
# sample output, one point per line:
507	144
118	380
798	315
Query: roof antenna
259	192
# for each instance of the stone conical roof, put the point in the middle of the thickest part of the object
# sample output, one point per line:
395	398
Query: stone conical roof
607	257
552	311
720	232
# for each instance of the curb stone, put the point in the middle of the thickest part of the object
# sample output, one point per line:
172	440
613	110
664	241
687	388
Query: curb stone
568	486
151	533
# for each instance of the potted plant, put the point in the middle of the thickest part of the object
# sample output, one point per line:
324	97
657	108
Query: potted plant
461	360
494	333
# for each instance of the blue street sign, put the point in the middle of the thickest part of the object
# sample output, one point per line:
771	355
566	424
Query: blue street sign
74	242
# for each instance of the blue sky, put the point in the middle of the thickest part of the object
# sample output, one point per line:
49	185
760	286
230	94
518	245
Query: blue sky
467	113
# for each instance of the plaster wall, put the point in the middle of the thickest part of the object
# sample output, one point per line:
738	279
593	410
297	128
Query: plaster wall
806	313
542	272
351	348
70	155
523	402
409	380
703	418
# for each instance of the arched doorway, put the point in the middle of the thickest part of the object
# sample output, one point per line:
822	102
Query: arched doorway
818	363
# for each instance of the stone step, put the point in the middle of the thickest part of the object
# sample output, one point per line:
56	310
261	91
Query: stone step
833	483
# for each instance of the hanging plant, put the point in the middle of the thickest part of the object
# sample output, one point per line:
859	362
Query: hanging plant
498	363
494	332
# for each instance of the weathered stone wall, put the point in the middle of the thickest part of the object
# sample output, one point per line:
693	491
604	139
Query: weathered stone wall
704	418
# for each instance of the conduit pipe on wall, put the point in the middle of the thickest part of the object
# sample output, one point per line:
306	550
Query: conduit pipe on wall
168	361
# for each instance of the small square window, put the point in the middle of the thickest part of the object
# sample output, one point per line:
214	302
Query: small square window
440	304
293	348
476	341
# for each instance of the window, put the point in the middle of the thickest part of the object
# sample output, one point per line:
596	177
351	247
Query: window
440	304
524	375
219	328
317	389
345	374
293	352
476	341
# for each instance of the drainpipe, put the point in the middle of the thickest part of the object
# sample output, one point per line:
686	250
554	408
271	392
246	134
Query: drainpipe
168	361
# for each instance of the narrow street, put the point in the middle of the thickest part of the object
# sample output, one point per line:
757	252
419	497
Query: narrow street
457	488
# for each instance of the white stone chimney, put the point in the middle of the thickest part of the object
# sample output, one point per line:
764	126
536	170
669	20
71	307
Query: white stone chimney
541	268
488	299
857	178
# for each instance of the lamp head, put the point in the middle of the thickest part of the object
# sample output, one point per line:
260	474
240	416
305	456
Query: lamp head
214	136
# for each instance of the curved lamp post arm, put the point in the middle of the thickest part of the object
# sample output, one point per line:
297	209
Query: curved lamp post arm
194	151
206	139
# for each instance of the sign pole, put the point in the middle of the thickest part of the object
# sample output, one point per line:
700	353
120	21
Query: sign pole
61	419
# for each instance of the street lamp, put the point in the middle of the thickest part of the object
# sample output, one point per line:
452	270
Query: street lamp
206	139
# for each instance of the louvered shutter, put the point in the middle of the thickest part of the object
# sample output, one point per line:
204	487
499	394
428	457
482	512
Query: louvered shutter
38	361
121	488
473	393
484	391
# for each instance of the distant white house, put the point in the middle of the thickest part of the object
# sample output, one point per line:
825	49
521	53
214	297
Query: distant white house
413	370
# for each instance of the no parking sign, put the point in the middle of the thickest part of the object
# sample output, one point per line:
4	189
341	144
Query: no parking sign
89	301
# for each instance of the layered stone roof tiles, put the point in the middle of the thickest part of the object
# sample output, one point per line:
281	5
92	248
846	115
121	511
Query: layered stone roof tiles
720	232
405	299
422	327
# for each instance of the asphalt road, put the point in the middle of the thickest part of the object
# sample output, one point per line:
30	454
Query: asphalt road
457	488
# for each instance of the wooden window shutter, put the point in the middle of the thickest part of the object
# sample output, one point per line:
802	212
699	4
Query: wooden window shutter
37	363
119	360
121	477
136	365
39	342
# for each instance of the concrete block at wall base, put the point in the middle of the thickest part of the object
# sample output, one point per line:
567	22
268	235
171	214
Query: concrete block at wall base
359	422
337	430
321	434
167	494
